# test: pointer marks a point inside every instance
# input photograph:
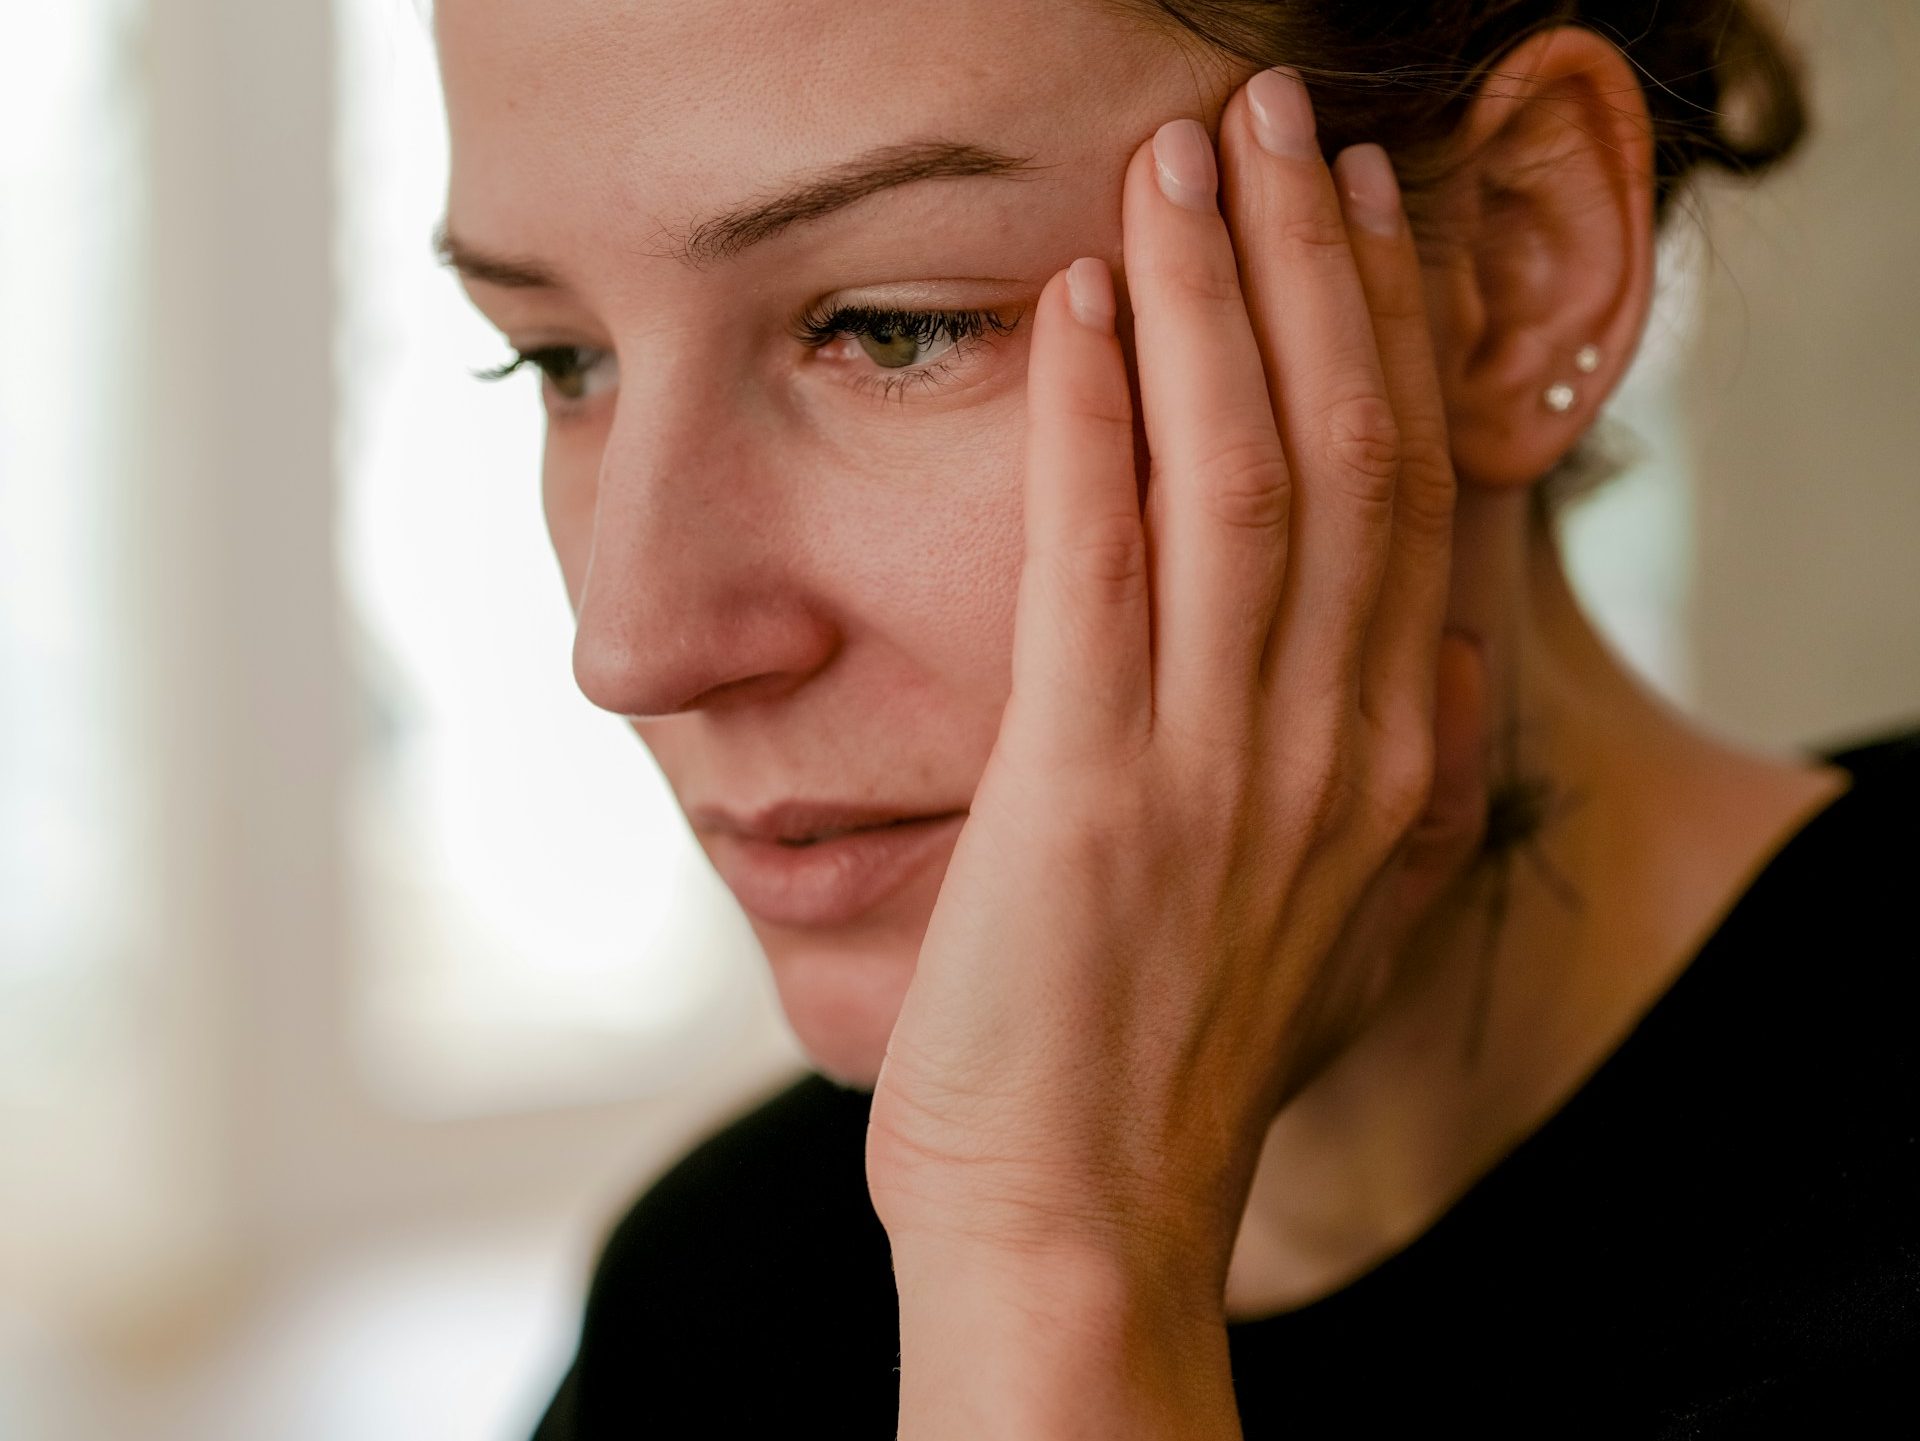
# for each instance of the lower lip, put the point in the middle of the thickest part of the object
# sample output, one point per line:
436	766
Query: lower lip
829	882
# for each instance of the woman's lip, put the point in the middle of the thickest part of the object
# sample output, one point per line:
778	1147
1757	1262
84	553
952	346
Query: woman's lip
829	882
801	817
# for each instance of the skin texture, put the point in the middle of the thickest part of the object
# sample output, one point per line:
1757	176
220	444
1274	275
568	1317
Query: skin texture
794	588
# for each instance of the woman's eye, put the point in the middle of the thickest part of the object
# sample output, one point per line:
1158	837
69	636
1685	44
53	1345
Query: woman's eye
898	348
889	349
574	372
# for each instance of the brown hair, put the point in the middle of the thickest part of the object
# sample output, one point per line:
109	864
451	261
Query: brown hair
1721	87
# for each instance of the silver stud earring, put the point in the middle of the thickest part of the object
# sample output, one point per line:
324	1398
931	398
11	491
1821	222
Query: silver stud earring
1559	396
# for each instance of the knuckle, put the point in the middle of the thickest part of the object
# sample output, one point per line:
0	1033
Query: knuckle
1112	558
1126	813
1197	283
1103	769
1078	837
1313	232
1096	401
1403	786
1245	484
1425	499
1322	780
1362	445
1223	752
1108	815
1399	304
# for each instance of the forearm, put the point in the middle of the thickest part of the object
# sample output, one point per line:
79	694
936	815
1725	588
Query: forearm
1047	1351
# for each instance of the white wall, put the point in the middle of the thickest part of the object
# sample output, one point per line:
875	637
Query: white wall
1806	590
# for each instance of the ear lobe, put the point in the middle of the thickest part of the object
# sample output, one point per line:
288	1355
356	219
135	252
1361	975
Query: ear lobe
1551	217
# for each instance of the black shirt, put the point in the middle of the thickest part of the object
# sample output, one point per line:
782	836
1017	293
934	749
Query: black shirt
1717	1236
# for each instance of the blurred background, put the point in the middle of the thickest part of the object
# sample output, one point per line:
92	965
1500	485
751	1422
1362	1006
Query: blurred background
354	971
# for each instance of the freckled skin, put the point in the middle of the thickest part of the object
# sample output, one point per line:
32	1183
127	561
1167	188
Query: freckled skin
790	586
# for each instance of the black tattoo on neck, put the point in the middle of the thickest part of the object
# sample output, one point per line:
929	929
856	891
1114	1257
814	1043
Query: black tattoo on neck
1522	806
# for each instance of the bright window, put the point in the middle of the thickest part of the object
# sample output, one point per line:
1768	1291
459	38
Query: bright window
70	214
535	921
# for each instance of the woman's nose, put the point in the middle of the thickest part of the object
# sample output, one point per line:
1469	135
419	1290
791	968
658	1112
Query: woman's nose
693	594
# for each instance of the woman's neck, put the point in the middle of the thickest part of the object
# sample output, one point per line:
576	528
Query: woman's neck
1651	826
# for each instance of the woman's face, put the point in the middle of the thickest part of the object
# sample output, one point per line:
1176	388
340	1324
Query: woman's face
794	561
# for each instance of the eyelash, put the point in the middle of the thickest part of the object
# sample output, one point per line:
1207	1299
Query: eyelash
549	359
819	328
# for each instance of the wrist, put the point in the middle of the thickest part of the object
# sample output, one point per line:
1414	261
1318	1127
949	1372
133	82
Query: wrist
1075	1278
1032	1347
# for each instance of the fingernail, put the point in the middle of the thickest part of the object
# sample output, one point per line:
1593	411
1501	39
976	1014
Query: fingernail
1090	294
1183	159
1372	196
1282	113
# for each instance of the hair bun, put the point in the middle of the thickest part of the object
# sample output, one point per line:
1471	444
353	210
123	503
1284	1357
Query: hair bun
1723	60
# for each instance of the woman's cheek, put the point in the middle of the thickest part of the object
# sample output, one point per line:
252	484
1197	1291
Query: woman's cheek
949	537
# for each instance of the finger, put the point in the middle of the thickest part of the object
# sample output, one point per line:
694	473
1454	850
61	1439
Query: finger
1447	837
1081	664
1402	645
1435	854
1436	848
1336	422
1217	493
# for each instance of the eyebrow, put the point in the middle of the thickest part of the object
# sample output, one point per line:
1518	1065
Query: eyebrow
730	233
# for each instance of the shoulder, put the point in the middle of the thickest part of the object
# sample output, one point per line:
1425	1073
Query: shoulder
1873	828
1836	908
1892	754
1801	1033
1805	996
1851	906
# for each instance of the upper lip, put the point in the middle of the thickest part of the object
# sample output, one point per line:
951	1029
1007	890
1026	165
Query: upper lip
800	820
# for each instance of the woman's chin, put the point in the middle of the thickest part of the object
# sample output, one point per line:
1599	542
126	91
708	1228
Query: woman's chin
841	1003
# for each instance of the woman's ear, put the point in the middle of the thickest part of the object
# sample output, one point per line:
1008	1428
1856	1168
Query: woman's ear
1546	247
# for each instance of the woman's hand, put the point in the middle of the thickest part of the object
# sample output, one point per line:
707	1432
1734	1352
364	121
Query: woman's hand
1198	844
